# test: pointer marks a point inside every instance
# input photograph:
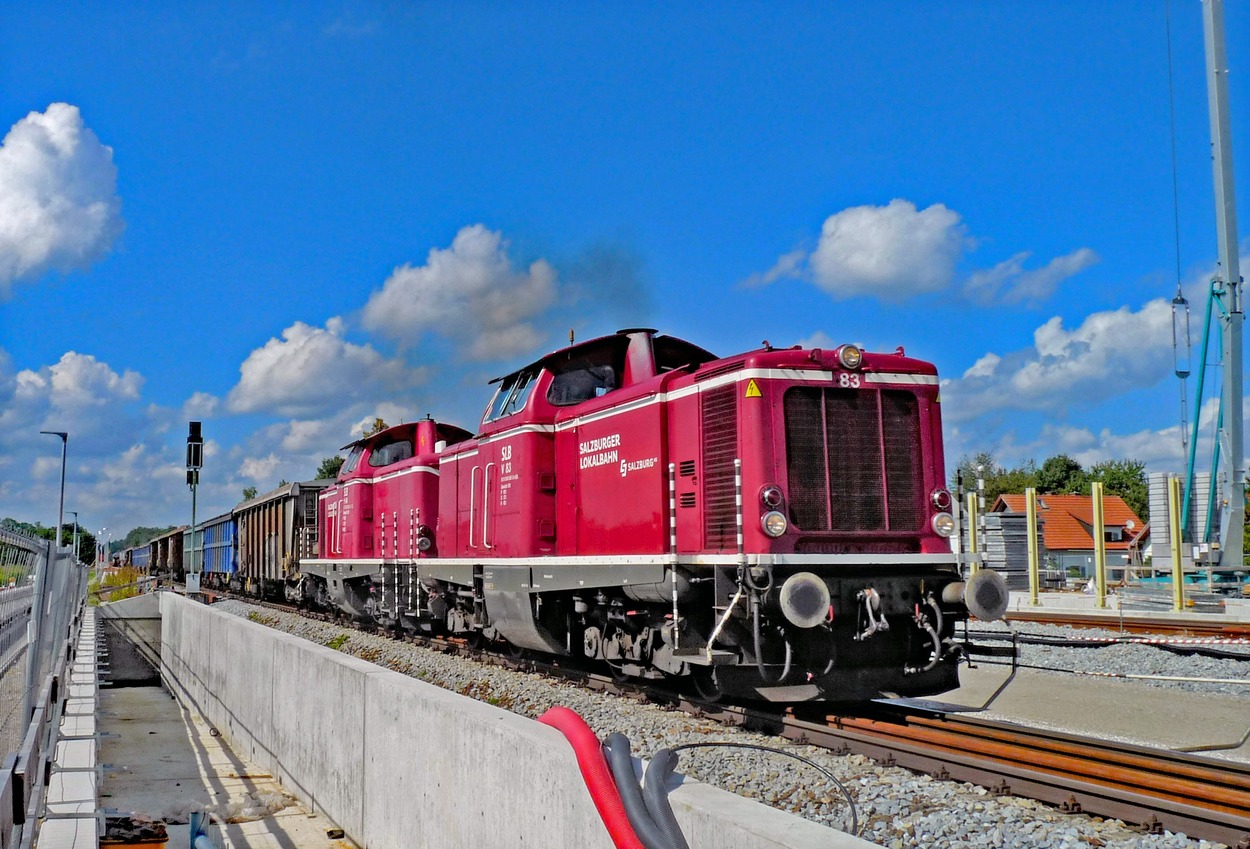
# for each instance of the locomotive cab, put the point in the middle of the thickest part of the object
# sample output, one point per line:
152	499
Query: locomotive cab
378	519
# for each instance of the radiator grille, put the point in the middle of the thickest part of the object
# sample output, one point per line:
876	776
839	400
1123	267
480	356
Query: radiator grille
720	448
853	458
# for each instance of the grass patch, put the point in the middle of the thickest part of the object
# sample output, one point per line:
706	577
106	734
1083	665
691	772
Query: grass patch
337	642
126	579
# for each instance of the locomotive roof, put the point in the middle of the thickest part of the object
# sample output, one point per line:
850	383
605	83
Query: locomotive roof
552	360
455	434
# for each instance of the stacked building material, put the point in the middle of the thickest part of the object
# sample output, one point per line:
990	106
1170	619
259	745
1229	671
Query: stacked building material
1005	547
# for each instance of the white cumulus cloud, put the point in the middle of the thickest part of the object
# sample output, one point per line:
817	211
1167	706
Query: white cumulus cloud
469	292
1010	283
895	252
888	252
312	370
1108	354
78	394
59	208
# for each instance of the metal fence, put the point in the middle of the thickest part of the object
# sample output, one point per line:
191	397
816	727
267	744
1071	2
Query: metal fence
40	616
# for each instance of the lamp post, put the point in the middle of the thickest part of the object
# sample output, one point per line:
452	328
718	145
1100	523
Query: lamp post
60	516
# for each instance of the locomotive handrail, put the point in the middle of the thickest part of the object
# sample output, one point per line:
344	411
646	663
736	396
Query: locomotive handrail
486	505
472	502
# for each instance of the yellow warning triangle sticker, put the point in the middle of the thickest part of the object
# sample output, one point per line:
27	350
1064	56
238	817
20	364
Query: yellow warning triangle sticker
753	390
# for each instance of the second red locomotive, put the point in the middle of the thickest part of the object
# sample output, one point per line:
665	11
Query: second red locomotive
773	524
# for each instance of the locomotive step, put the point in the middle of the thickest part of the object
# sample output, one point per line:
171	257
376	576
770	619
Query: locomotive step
702	657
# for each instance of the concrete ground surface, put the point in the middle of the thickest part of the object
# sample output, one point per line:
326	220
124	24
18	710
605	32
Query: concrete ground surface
1120	710
159	760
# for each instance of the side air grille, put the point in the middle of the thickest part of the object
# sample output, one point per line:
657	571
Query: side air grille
853	458
686	468
719	409
687	499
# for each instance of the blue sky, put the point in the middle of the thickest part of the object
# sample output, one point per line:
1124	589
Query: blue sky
284	219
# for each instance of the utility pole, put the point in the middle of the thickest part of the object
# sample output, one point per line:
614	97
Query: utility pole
1233	482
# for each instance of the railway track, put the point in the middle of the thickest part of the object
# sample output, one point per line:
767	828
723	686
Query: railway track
1153	789
1135	623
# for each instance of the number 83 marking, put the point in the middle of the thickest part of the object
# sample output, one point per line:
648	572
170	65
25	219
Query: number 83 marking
848	381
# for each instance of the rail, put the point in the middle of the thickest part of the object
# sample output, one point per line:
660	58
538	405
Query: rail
53	623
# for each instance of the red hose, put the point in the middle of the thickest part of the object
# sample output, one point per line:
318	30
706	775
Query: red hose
596	774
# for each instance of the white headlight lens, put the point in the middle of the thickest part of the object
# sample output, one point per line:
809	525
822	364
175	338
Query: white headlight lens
850	356
774	523
944	524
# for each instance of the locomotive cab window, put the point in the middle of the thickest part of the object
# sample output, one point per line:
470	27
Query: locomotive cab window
353	459
393	452
511	396
578	384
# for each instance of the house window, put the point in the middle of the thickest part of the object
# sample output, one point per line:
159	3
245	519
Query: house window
1113	534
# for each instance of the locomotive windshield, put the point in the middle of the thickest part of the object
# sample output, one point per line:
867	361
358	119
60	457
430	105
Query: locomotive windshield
353	458
514	391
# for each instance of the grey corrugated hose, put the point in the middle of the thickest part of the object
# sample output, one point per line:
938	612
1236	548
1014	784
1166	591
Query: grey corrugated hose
655	795
616	747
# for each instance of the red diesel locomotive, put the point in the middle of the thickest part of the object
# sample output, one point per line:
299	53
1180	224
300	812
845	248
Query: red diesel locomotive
773	524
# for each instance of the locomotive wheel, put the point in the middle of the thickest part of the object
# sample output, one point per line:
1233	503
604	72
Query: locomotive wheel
706	685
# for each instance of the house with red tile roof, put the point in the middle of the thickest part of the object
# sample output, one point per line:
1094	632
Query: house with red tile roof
1068	529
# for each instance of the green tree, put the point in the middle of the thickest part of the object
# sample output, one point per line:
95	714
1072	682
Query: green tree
36	530
377	427
1061	475
86	546
329	467
249	492
142	536
1127	479
998	480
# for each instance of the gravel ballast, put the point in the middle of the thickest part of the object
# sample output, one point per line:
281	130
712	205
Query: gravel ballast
896	808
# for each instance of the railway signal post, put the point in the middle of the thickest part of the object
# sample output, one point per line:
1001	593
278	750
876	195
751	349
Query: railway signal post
195	461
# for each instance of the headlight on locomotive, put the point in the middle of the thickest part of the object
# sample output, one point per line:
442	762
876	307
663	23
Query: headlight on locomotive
772	496
774	523
850	356
944	524
425	538
941	499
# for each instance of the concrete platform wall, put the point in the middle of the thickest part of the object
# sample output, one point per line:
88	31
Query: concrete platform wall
132	632
399	763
